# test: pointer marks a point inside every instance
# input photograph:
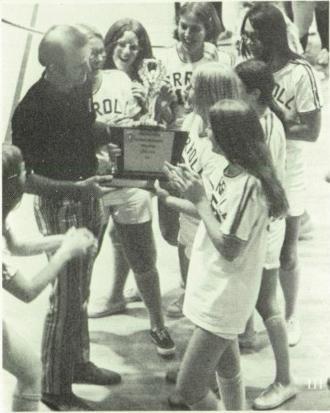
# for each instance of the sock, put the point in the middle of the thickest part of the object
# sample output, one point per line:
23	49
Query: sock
232	392
208	402
276	329
25	402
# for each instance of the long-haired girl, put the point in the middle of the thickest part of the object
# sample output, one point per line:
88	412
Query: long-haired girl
297	93
258	82
228	252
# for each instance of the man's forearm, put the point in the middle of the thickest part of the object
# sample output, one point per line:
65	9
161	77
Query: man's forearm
40	185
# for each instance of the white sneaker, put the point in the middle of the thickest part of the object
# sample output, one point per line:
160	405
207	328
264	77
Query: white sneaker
275	395
294	331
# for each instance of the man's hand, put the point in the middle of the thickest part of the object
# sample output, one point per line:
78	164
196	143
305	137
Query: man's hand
93	186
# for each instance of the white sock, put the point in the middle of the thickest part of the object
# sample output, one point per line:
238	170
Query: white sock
232	392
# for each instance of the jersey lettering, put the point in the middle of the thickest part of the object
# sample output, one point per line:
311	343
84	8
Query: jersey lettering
279	94
217	200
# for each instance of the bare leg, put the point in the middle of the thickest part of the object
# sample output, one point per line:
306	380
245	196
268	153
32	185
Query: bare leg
20	360
199	364
289	272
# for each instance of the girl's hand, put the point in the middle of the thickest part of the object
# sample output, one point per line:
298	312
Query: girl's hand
161	193
187	182
77	242
139	93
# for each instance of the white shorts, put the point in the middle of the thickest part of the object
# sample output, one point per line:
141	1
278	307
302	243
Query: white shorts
187	232
129	205
275	238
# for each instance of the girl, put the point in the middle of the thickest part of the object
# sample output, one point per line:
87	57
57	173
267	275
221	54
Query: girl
18	358
297	94
259	84
198	27
228	252
130	208
210	82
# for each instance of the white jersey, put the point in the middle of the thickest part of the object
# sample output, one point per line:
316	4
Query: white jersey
180	72
221	295
296	91
113	101
198	155
276	142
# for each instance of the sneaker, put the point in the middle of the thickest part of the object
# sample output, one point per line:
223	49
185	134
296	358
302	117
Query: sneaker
89	373
174	310
254	342
103	307
132	295
163	341
294	331
275	395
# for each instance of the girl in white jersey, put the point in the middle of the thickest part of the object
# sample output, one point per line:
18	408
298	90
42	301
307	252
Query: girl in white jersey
298	95
259	83
228	252
18	358
210	82
198	27
115	101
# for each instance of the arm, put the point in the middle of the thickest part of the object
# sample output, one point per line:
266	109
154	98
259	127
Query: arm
76	243
309	128
191	187
26	247
230	247
40	185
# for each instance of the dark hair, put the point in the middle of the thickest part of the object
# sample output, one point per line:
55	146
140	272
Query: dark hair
238	133
256	74
268	22
115	32
52	46
12	188
206	14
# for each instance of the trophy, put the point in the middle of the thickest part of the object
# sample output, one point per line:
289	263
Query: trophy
154	77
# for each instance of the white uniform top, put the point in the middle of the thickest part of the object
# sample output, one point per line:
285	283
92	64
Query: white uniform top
221	295
296	91
180	73
198	155
113	100
276	142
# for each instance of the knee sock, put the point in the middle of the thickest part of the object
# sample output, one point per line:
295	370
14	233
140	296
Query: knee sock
276	329
25	402
232	392
208	402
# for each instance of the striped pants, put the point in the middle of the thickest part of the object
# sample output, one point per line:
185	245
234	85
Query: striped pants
65	339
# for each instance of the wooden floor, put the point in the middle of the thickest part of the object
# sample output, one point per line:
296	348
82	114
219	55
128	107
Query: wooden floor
122	342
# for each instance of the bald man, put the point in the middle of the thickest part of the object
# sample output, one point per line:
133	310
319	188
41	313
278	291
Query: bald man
54	126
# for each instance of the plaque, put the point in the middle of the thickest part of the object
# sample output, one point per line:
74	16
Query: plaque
143	153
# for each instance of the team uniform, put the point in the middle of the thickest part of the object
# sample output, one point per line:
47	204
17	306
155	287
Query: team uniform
198	155
112	102
221	295
276	142
180	72
130	208
296	91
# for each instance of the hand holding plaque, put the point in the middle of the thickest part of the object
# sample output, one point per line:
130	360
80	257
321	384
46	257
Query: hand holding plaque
143	154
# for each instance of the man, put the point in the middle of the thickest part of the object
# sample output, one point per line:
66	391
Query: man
54	126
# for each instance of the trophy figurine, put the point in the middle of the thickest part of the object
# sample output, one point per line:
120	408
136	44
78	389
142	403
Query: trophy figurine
153	76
